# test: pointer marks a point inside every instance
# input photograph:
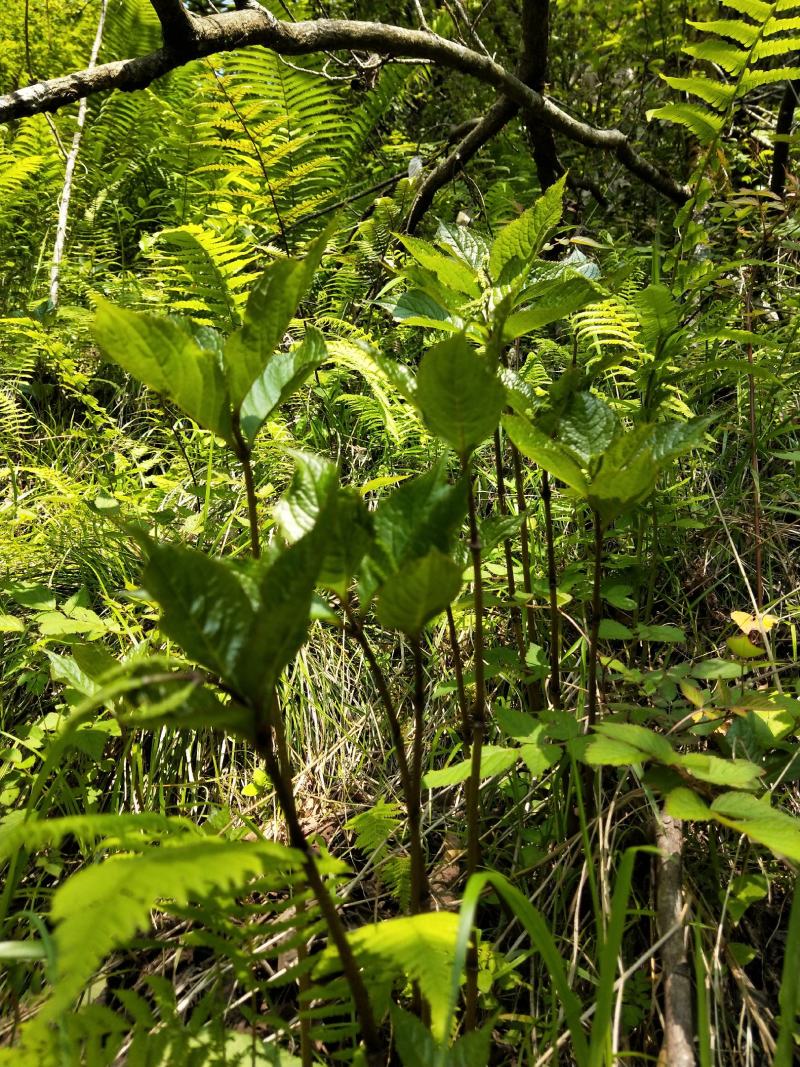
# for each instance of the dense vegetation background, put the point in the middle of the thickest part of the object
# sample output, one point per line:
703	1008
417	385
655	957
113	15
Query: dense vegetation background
398	586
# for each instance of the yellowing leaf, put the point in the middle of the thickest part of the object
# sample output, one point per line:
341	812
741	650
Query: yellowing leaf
747	622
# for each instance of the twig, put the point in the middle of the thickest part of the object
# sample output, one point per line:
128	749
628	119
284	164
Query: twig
241	29
69	169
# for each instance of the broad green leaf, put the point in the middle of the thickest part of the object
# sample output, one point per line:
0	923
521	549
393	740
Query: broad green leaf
668	634
551	301
714	669
162	355
285	589
743	648
587	427
422	513
315	479
417	592
517	724
547	453
734	773
459	395
611	630
640	737
283	374
768	826
745	889
495	759
670	439
417	308
452	272
627	475
518	243
657	311
204	607
271	306
597	750
11	624
469	246
539	756
682	803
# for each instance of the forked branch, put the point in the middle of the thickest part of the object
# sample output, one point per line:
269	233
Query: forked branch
240	29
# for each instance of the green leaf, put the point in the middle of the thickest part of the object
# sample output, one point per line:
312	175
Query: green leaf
105	904
204	607
714	669
587	427
551	301
283	375
417	592
465	243
768	826
313	492
419	948
598	750
682	803
422	513
649	742
704	124
743	648
611	630
130	831
518	243
517	724
271	306
668	634
162	355
547	453
734	773
22	951
451	272
627	475
495	759
285	588
416	308
539	756
460	397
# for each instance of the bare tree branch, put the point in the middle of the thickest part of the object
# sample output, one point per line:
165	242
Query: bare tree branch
177	24
484	130
239	29
535	26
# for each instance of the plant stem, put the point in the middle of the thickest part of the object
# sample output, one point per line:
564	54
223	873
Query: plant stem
279	771
754	470
594	631
554	685
419	888
243	455
458	667
411	791
516	614
525	541
478	729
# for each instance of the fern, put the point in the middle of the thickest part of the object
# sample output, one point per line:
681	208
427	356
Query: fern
745	49
418	948
104	905
125	830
